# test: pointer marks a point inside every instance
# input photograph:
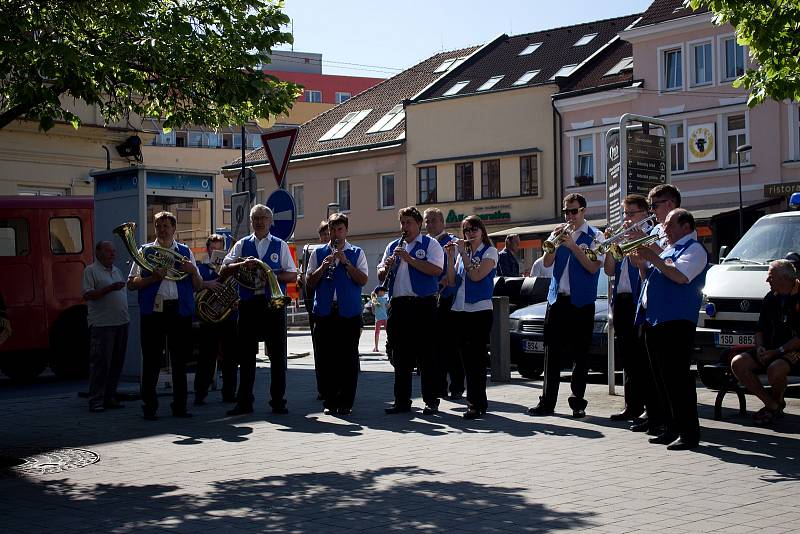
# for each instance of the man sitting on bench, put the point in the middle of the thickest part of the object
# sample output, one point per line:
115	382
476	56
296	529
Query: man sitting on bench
777	342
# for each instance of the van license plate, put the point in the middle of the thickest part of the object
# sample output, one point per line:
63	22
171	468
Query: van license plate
532	346
731	340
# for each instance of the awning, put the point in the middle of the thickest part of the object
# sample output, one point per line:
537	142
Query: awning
539	229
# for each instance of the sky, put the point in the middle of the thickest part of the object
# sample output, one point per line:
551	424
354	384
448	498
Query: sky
379	38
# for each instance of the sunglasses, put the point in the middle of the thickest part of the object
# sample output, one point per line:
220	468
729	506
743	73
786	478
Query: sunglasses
632	212
571	211
471	229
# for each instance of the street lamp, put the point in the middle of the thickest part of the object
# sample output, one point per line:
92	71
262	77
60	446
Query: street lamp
739	150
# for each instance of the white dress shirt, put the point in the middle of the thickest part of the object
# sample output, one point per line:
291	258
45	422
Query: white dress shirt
690	263
402	283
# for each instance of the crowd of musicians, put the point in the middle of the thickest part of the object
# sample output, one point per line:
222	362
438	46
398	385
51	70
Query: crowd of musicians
439	288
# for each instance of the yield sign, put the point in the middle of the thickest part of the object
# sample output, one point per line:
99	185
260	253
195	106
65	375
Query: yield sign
278	145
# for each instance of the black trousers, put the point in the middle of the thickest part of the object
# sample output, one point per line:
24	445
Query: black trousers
412	341
638	375
217	342
259	322
312	326
471	342
160	330
567	336
669	346
337	341
447	355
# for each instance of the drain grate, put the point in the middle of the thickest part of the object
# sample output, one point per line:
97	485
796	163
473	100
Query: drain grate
33	461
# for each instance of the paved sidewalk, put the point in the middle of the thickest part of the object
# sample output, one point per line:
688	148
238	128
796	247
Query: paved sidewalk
369	472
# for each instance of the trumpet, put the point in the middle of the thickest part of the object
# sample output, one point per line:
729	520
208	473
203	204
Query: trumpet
620	250
618	234
556	239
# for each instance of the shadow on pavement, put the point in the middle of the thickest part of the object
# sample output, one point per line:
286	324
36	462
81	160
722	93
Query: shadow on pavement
392	498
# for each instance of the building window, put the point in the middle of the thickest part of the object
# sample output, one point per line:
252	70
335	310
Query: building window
195	139
66	236
343	127
490	178
586	39
253	140
525	78
737	136
313	96
342	97
166	138
299	201
427	184
226	206
464	188
530	49
389	121
41	191
237	140
584	168
734	59
677	146
343	194
456	88
529	176
563	71
213	140
703	68
673	70
491	82
623	65
386	190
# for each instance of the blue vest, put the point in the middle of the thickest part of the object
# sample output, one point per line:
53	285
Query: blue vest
668	301
249	249
480	290
423	285
206	272
447	291
147	295
348	293
633	276
582	284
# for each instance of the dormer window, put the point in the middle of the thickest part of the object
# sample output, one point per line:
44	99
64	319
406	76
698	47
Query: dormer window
586	39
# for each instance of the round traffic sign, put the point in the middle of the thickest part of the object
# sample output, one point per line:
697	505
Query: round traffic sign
284	214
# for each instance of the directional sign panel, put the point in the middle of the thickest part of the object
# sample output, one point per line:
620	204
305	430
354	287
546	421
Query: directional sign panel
284	214
647	162
240	215
279	145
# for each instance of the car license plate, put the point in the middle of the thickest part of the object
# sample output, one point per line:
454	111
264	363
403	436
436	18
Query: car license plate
532	346
732	340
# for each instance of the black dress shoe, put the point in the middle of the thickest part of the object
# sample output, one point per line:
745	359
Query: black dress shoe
397	409
655	430
578	414
97	409
540	410
239	409
182	414
644	426
344	411
624	415
681	444
330	411
457	396
664	439
200	402
430	410
282	410
150	417
113	405
472	413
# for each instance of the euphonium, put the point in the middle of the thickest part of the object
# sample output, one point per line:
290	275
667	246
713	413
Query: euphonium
151	257
215	305
554	241
258	278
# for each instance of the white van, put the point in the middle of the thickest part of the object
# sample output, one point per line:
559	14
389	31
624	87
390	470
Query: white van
735	288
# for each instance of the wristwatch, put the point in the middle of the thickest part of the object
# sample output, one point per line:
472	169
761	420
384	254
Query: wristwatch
780	349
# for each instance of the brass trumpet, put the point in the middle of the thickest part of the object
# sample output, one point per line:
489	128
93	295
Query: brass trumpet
620	250
556	239
151	257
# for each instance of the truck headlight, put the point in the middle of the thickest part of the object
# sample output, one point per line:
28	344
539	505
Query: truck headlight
513	325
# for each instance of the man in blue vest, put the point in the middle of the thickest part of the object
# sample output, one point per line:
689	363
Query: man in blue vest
668	308
447	356
410	270
570	311
166	309
215	338
336	273
258	321
624	297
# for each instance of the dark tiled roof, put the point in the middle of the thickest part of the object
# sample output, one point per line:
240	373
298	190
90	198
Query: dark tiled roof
380	98
664	10
593	75
557	50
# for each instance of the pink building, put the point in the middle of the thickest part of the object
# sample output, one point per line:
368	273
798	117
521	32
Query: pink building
675	64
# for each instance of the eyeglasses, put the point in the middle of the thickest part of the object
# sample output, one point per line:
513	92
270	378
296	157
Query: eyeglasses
571	211
632	212
471	229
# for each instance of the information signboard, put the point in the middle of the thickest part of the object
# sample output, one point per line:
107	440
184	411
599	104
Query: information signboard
613	185
647	161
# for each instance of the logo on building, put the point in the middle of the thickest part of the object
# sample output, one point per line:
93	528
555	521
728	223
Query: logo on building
702	144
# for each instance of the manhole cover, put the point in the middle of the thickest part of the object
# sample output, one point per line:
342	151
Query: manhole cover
30	461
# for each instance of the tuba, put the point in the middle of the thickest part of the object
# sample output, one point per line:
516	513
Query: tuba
215	305
260	278
151	257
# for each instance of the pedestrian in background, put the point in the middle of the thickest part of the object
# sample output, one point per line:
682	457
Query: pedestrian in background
507	264
380	307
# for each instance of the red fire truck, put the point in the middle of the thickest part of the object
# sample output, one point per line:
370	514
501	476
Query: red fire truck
45	243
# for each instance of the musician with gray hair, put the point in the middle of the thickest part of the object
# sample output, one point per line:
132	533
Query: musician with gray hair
258	320
777	340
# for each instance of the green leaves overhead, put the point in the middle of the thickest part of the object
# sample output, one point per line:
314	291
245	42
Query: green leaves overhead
185	61
770	29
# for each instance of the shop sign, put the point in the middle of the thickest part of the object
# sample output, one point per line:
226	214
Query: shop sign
781	190
490	216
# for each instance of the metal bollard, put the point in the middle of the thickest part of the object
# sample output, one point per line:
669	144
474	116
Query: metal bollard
500	341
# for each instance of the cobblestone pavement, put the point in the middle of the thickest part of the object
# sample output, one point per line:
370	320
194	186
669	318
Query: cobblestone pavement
369	472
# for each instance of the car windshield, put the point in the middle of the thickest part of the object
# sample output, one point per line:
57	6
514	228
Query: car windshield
602	285
768	239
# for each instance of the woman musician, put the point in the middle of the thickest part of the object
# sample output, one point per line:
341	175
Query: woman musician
471	266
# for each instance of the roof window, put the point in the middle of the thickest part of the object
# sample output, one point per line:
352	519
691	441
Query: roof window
586	39
525	78
348	122
564	71
491	82
623	65
450	64
389	121
456	88
530	49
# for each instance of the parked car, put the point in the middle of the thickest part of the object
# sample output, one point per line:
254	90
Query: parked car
527	335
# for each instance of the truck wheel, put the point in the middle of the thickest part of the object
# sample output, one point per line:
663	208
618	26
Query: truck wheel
529	370
23	366
69	344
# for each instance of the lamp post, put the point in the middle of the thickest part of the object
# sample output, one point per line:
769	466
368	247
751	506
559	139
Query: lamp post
739	150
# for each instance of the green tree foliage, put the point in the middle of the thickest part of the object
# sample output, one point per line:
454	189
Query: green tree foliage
771	31
186	61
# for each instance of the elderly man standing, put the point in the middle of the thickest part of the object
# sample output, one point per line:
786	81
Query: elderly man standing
108	326
507	264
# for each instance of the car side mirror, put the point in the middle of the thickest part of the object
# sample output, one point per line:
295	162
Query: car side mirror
723	251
